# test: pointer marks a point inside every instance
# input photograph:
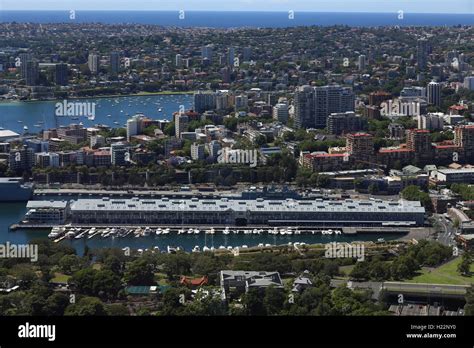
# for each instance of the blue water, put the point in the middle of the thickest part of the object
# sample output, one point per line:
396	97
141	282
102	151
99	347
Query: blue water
242	19
31	114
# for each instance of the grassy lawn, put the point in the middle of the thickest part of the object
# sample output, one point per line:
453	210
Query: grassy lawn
60	278
161	279
346	270
446	274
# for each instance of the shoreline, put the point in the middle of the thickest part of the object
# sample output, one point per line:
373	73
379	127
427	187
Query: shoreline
98	97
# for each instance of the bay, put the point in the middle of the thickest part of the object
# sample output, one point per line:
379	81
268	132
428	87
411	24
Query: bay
113	112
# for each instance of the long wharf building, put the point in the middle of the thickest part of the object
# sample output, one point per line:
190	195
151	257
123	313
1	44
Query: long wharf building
241	212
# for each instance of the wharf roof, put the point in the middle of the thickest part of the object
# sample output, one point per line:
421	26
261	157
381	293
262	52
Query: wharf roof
258	205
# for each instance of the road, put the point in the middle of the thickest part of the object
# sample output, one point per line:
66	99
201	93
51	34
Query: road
422	288
374	286
446	235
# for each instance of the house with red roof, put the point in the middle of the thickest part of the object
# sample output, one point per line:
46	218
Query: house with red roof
194	282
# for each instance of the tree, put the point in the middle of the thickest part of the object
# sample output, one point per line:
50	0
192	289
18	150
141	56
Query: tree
231	123
429	253
70	264
83	280
114	264
379	271
86	306
205	304
465	266
314	301
173	303
140	272
273	300
25	275
253	303
170	129
469	307
205	264
360	271
56	304
177	264
413	193
404	267
117	310
106	284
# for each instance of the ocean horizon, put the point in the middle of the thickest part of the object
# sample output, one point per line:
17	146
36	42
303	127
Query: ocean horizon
236	19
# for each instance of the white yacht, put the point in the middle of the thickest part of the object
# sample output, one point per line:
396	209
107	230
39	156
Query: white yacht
53	235
113	233
71	234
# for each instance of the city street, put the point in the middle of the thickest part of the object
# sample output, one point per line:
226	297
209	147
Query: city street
446	235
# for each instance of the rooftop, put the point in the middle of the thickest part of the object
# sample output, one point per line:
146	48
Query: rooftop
260	204
10	180
456	171
359	135
46	204
5	133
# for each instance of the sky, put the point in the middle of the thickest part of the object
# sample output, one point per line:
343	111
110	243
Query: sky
418	6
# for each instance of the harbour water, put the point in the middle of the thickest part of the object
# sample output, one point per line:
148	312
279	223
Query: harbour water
112	112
